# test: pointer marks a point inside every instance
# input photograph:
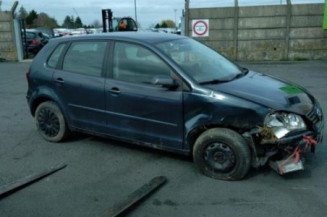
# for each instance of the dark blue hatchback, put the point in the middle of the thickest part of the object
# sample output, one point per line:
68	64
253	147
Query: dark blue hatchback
172	93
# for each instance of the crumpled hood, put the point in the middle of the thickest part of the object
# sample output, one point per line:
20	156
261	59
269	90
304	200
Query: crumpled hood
268	91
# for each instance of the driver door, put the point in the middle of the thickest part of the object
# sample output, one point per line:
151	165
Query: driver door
136	109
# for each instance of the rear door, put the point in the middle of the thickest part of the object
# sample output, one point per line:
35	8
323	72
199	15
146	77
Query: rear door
80	83
137	109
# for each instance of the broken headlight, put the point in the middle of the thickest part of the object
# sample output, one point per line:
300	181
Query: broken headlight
283	123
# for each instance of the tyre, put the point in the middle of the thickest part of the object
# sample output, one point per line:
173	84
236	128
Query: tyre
50	122
222	153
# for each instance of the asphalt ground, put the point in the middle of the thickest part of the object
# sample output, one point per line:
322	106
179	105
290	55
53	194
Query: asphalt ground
101	172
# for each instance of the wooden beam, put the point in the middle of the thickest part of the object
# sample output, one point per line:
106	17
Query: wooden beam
136	196
5	190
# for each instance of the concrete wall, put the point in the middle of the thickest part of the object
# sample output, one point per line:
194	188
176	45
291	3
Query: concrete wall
7	39
279	32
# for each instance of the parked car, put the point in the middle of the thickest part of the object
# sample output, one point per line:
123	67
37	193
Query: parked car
35	41
173	93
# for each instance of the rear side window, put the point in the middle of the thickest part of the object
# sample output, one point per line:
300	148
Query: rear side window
85	58
53	60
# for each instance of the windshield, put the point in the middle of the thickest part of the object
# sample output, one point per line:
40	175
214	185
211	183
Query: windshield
200	62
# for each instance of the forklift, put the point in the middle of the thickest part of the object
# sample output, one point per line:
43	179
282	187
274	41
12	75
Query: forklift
116	24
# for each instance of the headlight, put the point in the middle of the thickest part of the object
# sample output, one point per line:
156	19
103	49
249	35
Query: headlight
283	123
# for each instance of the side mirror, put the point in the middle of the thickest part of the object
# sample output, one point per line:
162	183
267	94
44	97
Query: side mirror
164	81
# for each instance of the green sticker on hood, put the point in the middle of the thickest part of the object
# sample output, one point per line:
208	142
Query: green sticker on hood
290	89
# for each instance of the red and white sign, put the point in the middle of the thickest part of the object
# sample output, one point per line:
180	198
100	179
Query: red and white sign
200	28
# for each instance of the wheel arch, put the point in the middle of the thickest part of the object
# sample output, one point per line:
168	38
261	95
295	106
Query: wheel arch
193	134
47	96
36	102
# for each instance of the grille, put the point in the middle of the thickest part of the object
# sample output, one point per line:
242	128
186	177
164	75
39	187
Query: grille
313	116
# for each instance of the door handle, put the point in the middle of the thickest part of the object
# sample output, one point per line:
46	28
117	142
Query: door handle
60	80
114	90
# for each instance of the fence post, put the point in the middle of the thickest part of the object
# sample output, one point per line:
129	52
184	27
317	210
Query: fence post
187	11
288	27
235	31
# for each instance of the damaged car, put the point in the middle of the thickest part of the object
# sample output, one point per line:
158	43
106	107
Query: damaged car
172	93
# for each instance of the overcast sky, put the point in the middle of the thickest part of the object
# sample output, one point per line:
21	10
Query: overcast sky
148	11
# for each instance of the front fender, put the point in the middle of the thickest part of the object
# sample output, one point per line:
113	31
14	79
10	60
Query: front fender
203	111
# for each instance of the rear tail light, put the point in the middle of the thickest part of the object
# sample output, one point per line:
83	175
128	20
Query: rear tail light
27	74
34	41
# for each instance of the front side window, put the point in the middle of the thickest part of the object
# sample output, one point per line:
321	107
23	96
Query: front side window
134	63
53	60
199	61
85	57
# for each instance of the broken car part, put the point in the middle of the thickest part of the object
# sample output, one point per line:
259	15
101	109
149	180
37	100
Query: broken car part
293	162
23	182
136	196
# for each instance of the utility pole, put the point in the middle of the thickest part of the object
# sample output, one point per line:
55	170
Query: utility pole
175	19
135	11
186	18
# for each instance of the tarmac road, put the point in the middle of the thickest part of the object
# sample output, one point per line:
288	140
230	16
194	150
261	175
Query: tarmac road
101	172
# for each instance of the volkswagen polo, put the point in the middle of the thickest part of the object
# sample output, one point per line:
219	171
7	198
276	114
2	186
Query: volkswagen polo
173	93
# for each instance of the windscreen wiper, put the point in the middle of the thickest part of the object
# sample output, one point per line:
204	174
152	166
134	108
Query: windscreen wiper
215	81
244	70
239	75
218	81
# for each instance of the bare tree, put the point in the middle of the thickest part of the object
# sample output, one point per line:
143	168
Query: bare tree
43	19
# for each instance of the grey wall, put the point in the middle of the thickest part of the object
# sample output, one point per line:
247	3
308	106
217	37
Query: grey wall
7	39
279	32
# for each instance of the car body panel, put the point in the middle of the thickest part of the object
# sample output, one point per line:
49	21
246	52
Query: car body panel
207	109
270	92
145	113
85	106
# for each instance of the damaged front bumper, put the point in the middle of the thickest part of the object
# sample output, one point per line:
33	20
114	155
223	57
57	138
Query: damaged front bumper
285	154
293	161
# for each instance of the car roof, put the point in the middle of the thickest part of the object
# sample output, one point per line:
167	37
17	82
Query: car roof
145	37
33	30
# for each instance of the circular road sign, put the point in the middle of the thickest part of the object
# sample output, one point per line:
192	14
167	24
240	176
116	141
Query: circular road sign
200	28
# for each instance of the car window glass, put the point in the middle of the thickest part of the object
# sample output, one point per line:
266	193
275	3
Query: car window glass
30	35
137	64
53	60
85	58
131	24
200	62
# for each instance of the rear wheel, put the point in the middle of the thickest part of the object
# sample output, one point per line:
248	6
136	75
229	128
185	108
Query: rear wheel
222	154
50	122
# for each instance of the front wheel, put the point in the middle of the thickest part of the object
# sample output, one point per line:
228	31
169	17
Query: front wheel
222	153
50	122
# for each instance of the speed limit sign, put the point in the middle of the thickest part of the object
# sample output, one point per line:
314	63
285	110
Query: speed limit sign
200	28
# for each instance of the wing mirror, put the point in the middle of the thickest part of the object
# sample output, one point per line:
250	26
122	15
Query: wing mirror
165	81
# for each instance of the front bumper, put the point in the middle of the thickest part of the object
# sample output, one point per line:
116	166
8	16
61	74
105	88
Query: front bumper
281	152
294	146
